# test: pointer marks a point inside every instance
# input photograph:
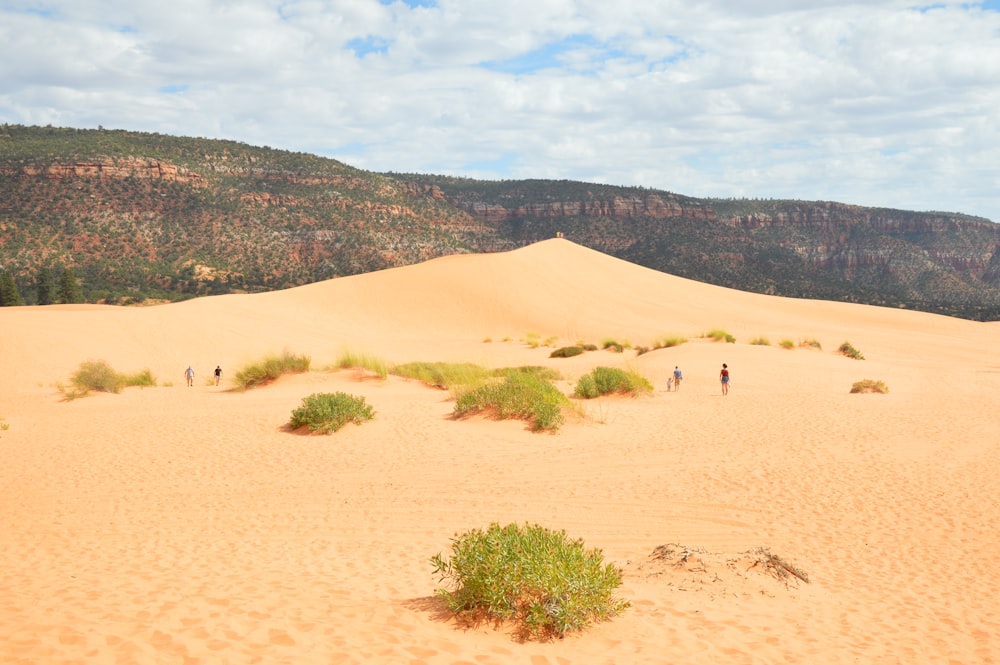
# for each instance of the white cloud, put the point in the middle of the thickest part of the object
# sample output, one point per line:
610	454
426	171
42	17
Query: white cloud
876	103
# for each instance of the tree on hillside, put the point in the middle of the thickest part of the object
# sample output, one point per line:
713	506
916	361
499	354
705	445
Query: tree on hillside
69	288
45	282
9	295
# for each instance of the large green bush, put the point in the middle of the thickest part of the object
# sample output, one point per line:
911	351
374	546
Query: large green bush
606	380
539	579
328	412
521	394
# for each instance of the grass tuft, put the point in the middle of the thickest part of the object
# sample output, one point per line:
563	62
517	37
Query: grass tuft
325	413
787	344
869	386
848	350
447	376
270	368
543	582
811	344
718	335
760	341
607	380
368	361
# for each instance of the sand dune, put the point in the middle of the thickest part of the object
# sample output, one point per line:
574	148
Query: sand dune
183	525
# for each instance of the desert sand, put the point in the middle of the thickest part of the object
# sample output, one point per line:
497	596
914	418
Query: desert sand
186	525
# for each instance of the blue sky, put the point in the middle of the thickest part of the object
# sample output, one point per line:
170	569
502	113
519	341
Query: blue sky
882	102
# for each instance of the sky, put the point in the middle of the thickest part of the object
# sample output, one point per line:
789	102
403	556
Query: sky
886	103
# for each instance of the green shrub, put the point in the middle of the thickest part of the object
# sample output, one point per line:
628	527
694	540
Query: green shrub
351	360
811	344
717	335
328	412
532	339
849	351
270	368
787	344
606	380
566	352
543	582
97	375
444	375
523	395
760	341
869	386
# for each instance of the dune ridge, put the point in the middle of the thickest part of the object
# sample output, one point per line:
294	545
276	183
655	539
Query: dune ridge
175	524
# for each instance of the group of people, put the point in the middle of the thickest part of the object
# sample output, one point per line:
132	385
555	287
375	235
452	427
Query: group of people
189	375
674	382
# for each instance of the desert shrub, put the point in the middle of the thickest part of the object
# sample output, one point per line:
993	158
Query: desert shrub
566	352
668	341
270	368
97	375
372	363
443	375
4	425
523	395
787	344
760	341
588	347
849	351
532	339
869	386
550	341
143	378
718	335
612	344
328	412
543	582
606	380
811	344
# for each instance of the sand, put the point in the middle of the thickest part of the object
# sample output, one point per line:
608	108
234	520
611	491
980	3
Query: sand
185	525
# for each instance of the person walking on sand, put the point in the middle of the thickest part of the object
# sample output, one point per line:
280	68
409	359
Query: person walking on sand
724	378
218	374
677	377
189	375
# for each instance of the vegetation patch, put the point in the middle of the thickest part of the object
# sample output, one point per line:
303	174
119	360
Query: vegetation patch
270	368
848	350
718	335
607	380
787	344
760	341
542	581
869	386
446	376
99	376
370	362
612	344
811	344
523	395
567	352
325	413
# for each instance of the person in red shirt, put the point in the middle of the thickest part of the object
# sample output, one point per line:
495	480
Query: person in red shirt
724	378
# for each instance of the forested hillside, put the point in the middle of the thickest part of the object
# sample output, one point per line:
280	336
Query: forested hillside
126	217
